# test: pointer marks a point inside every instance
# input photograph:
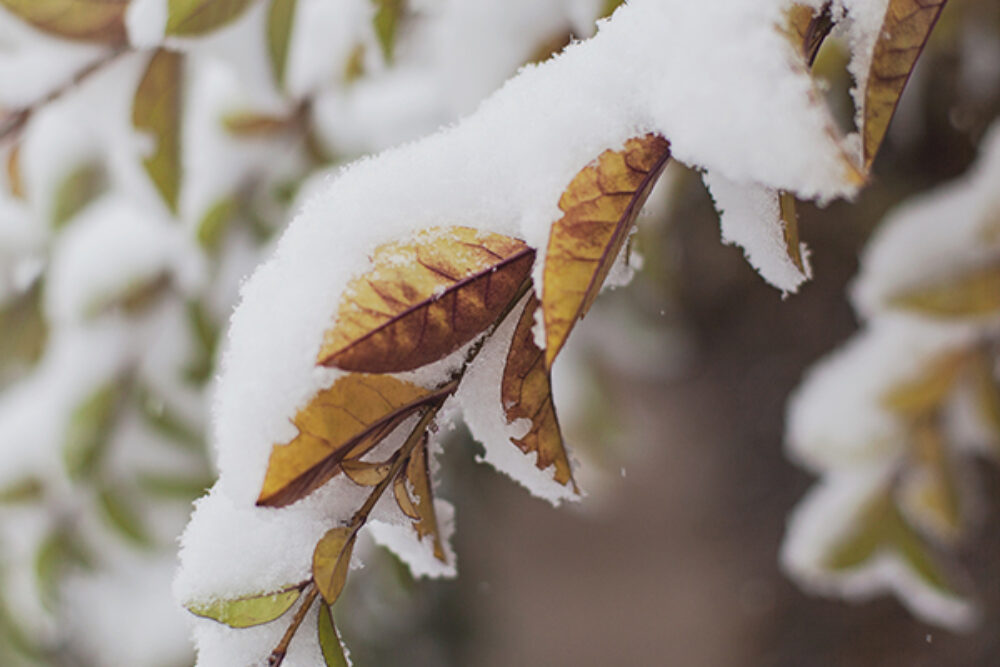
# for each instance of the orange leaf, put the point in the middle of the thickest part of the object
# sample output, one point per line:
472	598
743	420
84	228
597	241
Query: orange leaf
418	474
527	394
599	205
424	299
342	422
905	29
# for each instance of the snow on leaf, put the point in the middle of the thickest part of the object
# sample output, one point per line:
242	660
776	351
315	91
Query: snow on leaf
599	207
424	299
905	29
808	28
156	109
331	561
101	21
329	640
280	20
342	422
526	393
249	610
198	17
972	294
418	475
920	395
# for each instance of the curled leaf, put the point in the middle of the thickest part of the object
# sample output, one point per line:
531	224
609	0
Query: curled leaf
526	393
972	294
419	476
808	28
329	640
344	421
101	21
424	299
905	29
156	109
331	561
280	20
198	17
600	206
403	499
250	610
365	473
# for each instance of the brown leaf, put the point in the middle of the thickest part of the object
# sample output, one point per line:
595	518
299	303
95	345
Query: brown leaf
364	473
905	29
156	109
342	422
790	231
808	28
101	21
424	299
332	560
600	206
526	393
972	294
403	499
419	476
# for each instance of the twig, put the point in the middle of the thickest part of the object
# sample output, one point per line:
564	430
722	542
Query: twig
278	654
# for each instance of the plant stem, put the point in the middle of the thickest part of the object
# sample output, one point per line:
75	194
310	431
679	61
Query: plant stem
278	654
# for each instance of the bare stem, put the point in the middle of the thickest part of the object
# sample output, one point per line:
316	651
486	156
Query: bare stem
278	654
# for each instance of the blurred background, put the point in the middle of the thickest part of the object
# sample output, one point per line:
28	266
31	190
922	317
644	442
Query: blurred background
677	391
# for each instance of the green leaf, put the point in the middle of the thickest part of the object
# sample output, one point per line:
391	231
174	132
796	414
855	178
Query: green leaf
280	20
206	335
386	24
173	487
248	611
329	641
120	515
57	552
23	331
213	225
101	21
198	17
78	189
156	109
89	429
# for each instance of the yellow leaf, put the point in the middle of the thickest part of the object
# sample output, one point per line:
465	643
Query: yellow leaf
197	17
101	21
15	179
424	299
365	473
972	294
526	393
600	206
344	421
807	28
329	641
250	610
157	109
280	20
905	29
419	476
332	560
924	393
790	231
403	497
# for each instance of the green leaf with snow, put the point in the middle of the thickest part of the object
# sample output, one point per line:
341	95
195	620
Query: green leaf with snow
156	110
386	23
250	610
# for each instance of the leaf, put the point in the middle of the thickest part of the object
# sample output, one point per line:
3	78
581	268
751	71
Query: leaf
927	492
354	68
89	430
344	421
15	179
59	551
118	510
280	21
610	6
24	490
386	23
987	392
250	610
924	393
972	294
134	298
332	560
252	124
403	498
23	331
425	298
526	393
190	18
157	109
419	476
173	486
101	21
905	29
364	473
78	189
205	333
212	226
790	230
600	206
808	28
329	641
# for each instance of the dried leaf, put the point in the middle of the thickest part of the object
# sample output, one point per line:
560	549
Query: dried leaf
332	560
101	21
365	473
403	499
344	421
425	298
808	28
198	17
386	24
927	492
156	109
250	610
905	29
920	395
419	476
790	218
600	206
80	187
280	20
15	179
975	293
329	641
89	430
526	393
